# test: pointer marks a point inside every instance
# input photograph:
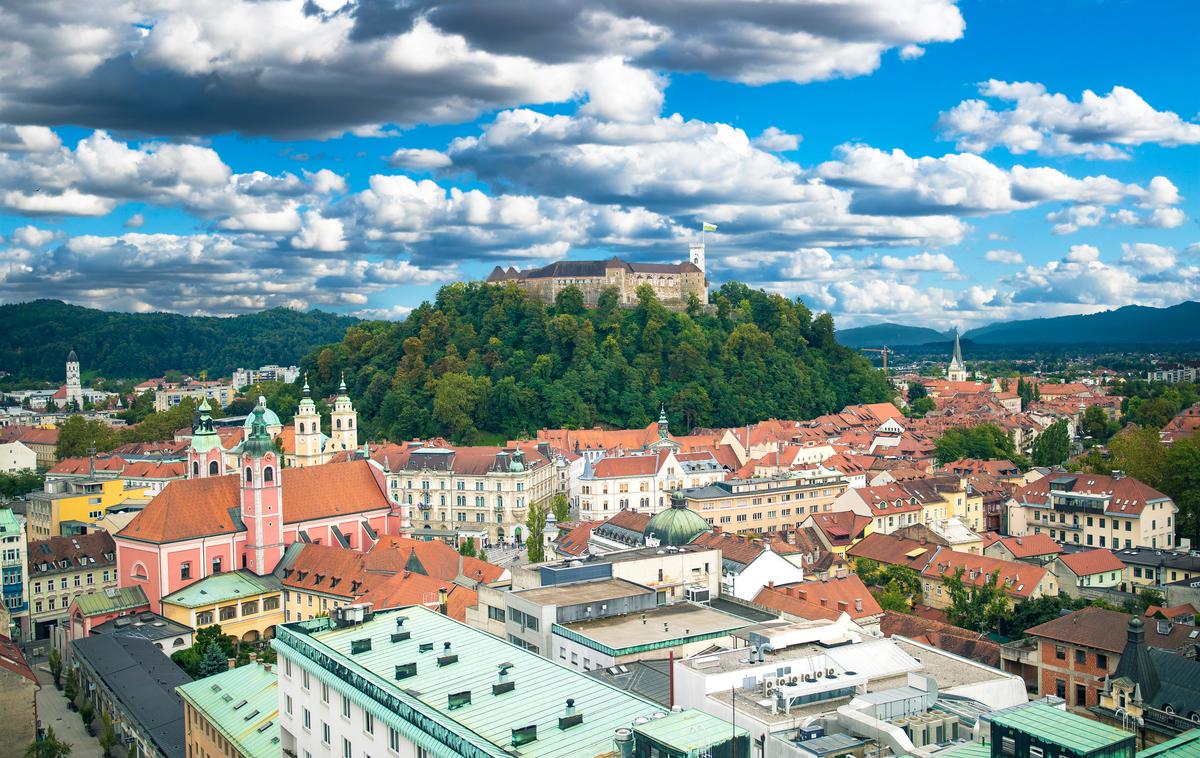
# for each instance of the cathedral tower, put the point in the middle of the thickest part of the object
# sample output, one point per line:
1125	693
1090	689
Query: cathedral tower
74	388
261	499
957	370
206	456
345	421
308	431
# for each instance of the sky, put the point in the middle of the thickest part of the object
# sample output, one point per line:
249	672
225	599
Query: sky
927	162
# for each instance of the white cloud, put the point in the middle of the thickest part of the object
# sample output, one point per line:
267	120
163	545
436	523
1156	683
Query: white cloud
1145	255
775	140
1082	254
1011	257
419	159
386	313
321	234
136	221
911	52
1097	126
31	236
920	262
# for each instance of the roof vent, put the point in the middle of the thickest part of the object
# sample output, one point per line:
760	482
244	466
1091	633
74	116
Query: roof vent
446	658
425	647
524	735
504	684
456	700
570	717
360	646
405	670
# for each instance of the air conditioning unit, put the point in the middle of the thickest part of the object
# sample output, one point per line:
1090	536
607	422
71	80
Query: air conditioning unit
697	594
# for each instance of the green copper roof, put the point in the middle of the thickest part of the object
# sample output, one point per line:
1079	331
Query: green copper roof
9	523
688	732
967	750
204	436
270	417
1186	745
218	588
108	601
228	698
419	705
677	525
1083	735
259	442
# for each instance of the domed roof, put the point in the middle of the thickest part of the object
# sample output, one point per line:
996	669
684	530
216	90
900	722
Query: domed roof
270	418
677	525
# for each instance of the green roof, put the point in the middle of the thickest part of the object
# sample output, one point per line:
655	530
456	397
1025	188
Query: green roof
217	588
1186	745
418	705
676	526
1083	735
228	698
111	600
9	523
967	750
688	731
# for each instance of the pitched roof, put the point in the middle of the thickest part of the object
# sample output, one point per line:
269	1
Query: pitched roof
191	508
1174	612
12	659
1107	630
893	549
30	435
91	549
1026	546
841	527
628	465
1018	579
1126	495
573	538
407	588
733	547
1091	562
329	570
821	599
99	602
952	639
634	521
887	499
435	558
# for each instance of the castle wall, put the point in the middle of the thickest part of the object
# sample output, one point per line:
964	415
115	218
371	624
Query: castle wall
672	288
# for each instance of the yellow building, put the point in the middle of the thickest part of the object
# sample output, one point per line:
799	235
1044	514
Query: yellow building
247	606
84	501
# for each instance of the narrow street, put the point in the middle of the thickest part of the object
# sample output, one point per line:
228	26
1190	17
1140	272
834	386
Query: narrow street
68	727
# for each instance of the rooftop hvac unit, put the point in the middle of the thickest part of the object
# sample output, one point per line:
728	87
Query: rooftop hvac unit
697	594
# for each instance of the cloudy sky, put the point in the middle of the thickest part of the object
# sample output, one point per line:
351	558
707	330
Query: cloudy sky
925	161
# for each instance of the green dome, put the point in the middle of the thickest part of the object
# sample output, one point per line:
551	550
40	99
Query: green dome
259	442
270	418
677	525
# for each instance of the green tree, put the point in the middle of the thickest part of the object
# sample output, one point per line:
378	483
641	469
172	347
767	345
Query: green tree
975	606
467	547
71	688
20	483
87	712
77	434
921	406
108	737
213	662
890	600
560	506
1149	597
916	391
1137	451
1096	424
1053	445
55	662
986	441
1181	480
50	747
535	524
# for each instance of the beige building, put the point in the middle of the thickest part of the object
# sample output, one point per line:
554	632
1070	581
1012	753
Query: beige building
166	399
60	568
767	505
673	283
643	482
1115	512
18	689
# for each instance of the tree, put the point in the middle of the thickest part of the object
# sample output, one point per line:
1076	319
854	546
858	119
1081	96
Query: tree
535	523
916	391
87	712
1149	597
190	658
1053	445
214	660
977	606
20	483
50	747
1137	451
77	434
56	665
890	600
921	406
898	587
560	506
1097	425
986	441
71	688
467	547
1181	480
108	736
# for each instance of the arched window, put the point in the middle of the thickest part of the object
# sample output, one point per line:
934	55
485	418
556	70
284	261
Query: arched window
213	468
349	423
139	571
268	474
302	427
249	475
339	423
195	468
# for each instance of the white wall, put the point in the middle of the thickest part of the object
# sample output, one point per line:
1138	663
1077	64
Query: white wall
15	456
769	566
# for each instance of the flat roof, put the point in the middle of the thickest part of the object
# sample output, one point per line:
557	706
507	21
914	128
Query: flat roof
574	593
688	731
640	553
218	588
485	726
243	704
1083	735
664	626
966	750
144	625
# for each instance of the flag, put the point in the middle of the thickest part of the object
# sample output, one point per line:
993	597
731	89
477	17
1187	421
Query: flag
707	227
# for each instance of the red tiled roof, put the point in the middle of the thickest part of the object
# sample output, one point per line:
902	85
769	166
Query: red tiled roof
190	508
893	549
393	554
1018	579
1186	609
634	521
574	540
1125	495
12	659
629	465
733	547
1026	546
91	549
887	499
30	435
1107	630
1091	562
331	570
818	599
407	588
841	527
952	639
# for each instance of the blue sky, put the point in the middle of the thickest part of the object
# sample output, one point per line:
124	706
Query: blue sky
932	162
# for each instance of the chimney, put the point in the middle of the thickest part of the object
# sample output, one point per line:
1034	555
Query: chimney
858	604
443	605
802	594
824	602
771	584
843	606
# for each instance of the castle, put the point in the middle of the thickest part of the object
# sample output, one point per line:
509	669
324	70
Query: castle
673	283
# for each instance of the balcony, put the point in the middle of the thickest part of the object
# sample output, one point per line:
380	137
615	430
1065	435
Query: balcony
1020	651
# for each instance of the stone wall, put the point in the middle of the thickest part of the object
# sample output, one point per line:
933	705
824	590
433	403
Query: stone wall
673	289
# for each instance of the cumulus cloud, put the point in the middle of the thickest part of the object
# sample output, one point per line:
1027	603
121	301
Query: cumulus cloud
1011	257
920	262
419	159
911	52
1095	126
1148	256
136	221
775	140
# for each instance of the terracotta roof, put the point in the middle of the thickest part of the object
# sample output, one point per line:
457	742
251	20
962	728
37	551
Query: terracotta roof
330	570
1125	495
30	435
407	588
1073	388
893	549
123	468
466	460
1107	630
1186	609
821	599
841	527
634	521
952	639
1024	547
888	499
393	553
1018	579
82	550
629	465
12	659
190	508
1091	562
573	538
733	547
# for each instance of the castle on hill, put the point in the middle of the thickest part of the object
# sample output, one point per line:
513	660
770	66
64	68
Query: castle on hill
673	283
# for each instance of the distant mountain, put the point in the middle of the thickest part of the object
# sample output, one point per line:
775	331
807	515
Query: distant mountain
1131	324
37	336
892	335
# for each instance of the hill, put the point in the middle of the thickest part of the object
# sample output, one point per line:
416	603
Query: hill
38	335
1131	324
485	362
892	335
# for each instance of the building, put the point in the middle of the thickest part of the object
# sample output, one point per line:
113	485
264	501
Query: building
17	456
199	527
957	370
246	605
169	397
1020	581
675	284
1037	728
840	530
1033	548
14	571
1088	569
304	444
824	598
748	565
454	493
244	377
133	683
149	476
18	690
1073	656
234	713
166	635
43	442
414	682
1173	373
1157	688
82	500
642	483
771	504
1094	510
60	569
91	609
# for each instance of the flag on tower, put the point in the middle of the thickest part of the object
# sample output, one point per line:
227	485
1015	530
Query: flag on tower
707	227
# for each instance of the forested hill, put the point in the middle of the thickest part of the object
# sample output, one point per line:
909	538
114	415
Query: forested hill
37	336
878	335
1132	324
485	362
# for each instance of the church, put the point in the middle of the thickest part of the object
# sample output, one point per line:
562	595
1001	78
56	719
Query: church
957	370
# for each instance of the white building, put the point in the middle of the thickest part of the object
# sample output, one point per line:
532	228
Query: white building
15	456
245	377
642	482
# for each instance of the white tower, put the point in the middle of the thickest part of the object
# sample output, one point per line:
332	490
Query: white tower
74	388
957	371
344	421
696	255
308	431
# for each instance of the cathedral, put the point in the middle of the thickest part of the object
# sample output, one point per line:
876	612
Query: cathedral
957	370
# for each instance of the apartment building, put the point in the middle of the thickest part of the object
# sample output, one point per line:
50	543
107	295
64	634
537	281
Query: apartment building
84	500
642	483
166	399
767	505
13	571
61	568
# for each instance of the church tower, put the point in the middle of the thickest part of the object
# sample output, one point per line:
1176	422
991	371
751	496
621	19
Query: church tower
308	431
261	499
206	456
74	388
345	421
957	370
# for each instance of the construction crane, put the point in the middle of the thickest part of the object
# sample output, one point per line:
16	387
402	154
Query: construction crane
882	351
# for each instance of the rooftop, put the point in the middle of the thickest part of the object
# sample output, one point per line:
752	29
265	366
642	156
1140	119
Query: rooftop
1186	745
111	600
1082	735
661	627
577	593
230	585
144	625
228	701
483	727
1107	630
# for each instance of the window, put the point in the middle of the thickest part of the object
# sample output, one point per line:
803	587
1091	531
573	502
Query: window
185	570
216	565
1081	695
347	751
307	718
229	613
1035	752
393	740
368	723
1060	653
268	474
324	732
271	603
1101	660
1060	688
204	618
306	679
287	704
1080	656
249	475
287	666
345	706
324	692
1008	746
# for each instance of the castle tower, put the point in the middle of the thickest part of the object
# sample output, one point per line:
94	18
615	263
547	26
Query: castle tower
74	388
957	370
308	431
206	456
696	255
261	499
344	421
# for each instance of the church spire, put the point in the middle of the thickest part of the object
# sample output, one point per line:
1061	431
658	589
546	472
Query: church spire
957	359
662	421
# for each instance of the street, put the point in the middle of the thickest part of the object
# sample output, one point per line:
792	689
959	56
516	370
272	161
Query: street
68	727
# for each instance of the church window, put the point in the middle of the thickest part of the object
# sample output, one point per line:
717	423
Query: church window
195	468
339	423
139	571
302	427
213	468
249	475
268	474
349	423
185	570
